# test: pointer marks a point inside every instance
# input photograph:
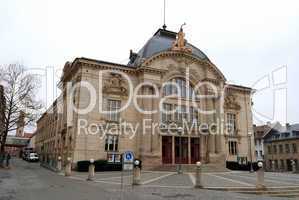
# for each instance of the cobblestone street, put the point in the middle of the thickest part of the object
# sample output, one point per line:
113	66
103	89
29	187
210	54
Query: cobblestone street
31	182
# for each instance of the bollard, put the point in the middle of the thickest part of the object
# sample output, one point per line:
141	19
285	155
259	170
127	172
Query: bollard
136	172
91	170
273	166
59	166
293	166
260	176
68	167
198	175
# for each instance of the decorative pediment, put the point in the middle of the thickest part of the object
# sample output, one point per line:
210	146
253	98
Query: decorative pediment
230	102
115	85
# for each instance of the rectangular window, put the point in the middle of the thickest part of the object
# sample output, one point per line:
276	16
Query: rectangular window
282	164
287	147
274	149
231	123
280	149
184	113
166	115
168	89
232	146
182	87
113	107
294	148
193	115
178	114
256	153
269	150
276	164
181	114
111	143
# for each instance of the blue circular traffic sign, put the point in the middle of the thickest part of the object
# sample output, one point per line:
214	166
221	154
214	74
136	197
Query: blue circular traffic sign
128	156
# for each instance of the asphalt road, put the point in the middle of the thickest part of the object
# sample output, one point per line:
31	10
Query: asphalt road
29	181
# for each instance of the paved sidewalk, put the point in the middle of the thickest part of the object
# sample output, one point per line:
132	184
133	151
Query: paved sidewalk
29	181
187	180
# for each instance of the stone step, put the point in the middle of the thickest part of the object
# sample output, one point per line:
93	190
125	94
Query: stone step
290	195
287	192
271	192
253	189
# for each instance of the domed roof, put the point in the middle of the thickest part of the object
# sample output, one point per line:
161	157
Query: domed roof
161	41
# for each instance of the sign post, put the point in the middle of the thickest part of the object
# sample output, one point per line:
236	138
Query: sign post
127	164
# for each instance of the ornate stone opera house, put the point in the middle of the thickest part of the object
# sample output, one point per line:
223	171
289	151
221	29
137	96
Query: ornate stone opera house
166	58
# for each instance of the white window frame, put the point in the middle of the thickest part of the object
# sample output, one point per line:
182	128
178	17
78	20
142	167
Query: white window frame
113	105
111	140
231	123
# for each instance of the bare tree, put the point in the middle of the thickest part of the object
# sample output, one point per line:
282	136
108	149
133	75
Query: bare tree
20	89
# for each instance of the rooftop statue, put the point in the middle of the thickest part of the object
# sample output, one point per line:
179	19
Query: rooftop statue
180	42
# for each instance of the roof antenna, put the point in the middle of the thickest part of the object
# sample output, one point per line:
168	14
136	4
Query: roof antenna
164	25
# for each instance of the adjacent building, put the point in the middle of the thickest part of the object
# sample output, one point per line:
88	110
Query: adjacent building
281	147
15	143
259	133
166	64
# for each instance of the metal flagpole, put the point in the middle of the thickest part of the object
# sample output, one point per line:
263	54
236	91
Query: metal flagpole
164	15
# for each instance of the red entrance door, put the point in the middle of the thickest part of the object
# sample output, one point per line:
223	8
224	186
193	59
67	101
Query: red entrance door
195	156
167	149
181	147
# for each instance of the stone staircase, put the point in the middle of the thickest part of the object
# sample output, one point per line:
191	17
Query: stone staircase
284	192
206	168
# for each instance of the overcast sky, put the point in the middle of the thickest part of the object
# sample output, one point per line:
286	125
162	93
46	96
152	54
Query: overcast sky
247	40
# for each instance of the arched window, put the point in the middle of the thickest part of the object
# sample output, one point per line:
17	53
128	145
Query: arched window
179	87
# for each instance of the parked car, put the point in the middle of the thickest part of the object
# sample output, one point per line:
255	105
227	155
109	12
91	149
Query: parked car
32	157
26	152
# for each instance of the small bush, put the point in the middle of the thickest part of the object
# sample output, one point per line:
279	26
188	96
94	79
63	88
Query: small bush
236	166
100	165
82	166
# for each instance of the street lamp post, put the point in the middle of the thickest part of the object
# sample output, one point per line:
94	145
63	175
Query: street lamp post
251	167
179	168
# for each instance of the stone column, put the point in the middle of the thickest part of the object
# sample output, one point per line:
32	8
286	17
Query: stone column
273	165
136	176
198	183
59	165
68	167
212	144
293	166
260	176
137	172
91	170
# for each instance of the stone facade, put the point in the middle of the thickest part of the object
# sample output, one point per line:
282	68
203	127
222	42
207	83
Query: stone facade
61	132
259	133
